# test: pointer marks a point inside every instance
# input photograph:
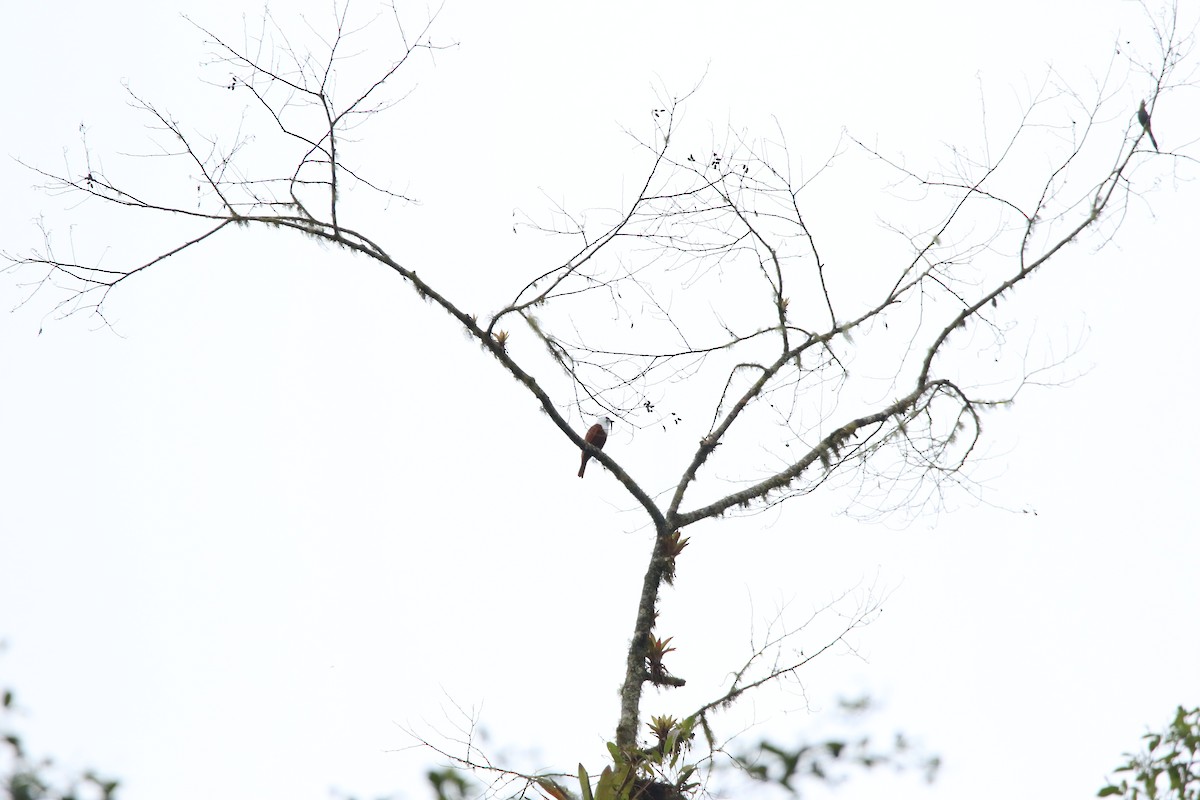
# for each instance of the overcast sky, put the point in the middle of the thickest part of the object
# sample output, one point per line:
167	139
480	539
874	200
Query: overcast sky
282	512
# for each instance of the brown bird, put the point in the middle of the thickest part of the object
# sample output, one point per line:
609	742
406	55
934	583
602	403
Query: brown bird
1144	119
596	436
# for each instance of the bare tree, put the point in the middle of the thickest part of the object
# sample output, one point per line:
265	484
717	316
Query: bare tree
865	376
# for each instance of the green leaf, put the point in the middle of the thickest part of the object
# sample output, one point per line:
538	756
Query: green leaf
1107	790
687	726
604	787
585	784
671	743
1173	776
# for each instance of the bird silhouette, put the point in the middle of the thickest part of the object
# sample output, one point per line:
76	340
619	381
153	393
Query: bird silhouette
1144	119
596	436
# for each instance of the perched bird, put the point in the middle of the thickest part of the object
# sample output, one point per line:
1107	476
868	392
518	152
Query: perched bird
1144	119
596	436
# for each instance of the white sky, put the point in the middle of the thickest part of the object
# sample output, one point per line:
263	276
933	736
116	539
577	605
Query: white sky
289	511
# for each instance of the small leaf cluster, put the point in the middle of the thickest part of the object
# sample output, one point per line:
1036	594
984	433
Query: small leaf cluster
1169	767
25	778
